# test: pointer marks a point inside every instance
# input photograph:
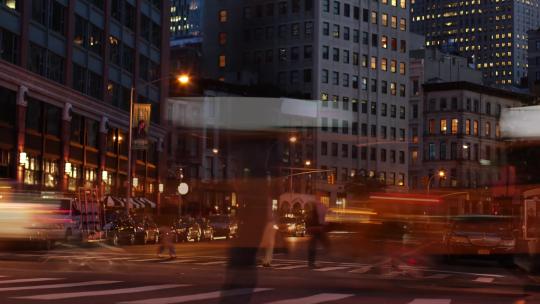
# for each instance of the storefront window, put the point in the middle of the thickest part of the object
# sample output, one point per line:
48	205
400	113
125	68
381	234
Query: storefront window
31	171
89	177
5	164
53	120
50	170
74	177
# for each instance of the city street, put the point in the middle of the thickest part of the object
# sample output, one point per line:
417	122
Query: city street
133	274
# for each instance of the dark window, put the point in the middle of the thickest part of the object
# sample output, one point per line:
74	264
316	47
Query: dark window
79	78
34	115
7	115
52	118
76	129
92	132
9	46
95	85
37	59
127	58
57	17
114	50
55	67
39	11
81	31
95	44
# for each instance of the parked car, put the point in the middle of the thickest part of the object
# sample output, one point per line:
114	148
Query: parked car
121	230
480	236
186	229
292	226
207	232
223	226
147	230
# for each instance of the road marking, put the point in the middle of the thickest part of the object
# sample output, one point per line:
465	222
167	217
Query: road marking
146	260
291	267
324	269
466	273
319	298
431	301
52	286
273	265
198	296
361	269
68	295
212	263
484	280
177	261
438	276
29	280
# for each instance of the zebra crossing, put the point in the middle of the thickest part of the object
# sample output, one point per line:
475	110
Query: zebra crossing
41	290
357	269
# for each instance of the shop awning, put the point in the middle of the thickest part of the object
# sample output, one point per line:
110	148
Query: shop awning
135	202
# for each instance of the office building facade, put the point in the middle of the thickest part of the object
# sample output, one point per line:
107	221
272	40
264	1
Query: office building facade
491	34
534	62
66	73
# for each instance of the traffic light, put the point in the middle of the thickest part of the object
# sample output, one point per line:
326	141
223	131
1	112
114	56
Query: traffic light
331	178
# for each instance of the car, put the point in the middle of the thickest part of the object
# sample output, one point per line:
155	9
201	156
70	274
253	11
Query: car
207	232
186	229
292	226
223	226
147	230
480	236
122	230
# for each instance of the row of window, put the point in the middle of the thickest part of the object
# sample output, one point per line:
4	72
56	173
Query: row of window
388	178
467	152
471	127
336	8
385	41
354	152
363	107
468	105
362	129
363	85
282	9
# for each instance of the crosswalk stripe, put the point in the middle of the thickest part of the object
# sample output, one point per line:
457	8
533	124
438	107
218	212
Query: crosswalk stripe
29	280
361	269
484	280
52	286
198	296
291	267
68	295
319	298
431	301
146	260
212	263
438	276
177	261
324	269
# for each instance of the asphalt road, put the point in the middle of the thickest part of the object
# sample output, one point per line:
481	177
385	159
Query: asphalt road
133	274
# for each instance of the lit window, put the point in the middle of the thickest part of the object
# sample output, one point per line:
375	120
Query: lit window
222	61
455	126
223	16
443	126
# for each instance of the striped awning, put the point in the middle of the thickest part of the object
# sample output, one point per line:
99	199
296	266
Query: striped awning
135	202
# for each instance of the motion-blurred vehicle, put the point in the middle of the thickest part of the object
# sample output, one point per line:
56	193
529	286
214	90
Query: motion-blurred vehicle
40	218
480	236
292	226
224	226
207	232
147	230
122	230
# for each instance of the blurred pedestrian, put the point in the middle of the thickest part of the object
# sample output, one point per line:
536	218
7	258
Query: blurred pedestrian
166	241
316	227
268	240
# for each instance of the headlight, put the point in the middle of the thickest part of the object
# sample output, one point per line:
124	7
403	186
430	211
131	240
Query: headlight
276	227
507	243
459	240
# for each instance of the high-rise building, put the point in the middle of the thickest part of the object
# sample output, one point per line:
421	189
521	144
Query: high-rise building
491	34
534	62
66	73
350	55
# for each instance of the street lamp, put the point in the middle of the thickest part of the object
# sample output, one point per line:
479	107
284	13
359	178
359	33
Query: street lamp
441	175
183	189
215	151
183	80
293	139
308	163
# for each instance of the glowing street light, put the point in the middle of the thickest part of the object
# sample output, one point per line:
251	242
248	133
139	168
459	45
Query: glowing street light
184	79
308	163
293	139
215	151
